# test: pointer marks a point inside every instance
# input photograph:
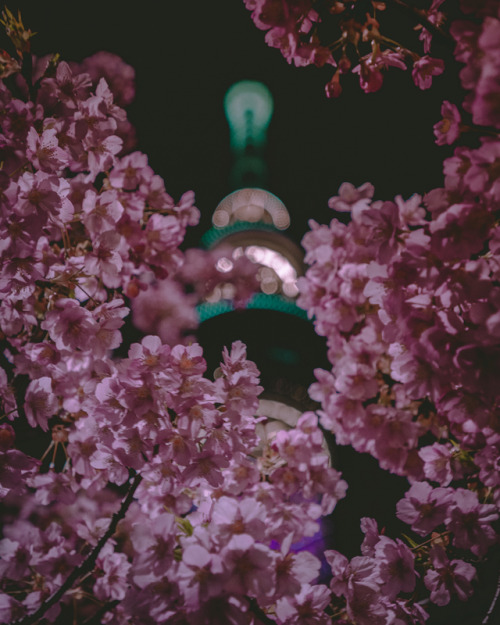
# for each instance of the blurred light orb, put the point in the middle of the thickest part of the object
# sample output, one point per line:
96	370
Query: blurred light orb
249	106
224	264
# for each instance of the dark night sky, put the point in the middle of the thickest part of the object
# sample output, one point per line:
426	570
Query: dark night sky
187	53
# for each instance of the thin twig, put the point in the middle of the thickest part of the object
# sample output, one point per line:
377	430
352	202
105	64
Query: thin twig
89	563
493	603
431	540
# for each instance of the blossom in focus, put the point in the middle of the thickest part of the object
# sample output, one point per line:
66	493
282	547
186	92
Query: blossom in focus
44	150
470	522
438	463
305	608
112	577
447	578
396	563
424	508
247	564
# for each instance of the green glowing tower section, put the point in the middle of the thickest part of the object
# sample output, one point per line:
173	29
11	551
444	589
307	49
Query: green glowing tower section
249	107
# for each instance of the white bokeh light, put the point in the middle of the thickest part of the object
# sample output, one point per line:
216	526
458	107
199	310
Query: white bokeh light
280	265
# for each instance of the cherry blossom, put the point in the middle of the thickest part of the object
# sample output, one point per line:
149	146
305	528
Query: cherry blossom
417	395
305	608
448	578
470	522
154	499
396	568
353	40
424	508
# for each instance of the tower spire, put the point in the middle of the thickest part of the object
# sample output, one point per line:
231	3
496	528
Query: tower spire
249	106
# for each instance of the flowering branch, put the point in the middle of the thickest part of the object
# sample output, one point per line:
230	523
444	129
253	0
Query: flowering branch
421	17
89	563
360	45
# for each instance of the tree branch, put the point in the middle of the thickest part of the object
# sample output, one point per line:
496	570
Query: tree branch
493	603
421	17
88	564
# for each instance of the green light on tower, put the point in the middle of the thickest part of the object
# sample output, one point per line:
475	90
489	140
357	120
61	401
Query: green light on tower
249	107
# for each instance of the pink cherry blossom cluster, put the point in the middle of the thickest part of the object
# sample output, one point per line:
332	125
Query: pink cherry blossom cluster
350	36
367	586
151	503
211	527
407	296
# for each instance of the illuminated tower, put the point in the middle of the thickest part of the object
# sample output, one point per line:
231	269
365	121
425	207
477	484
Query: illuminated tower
251	221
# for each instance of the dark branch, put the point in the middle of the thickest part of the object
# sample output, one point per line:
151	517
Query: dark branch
88	564
493	603
421	17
